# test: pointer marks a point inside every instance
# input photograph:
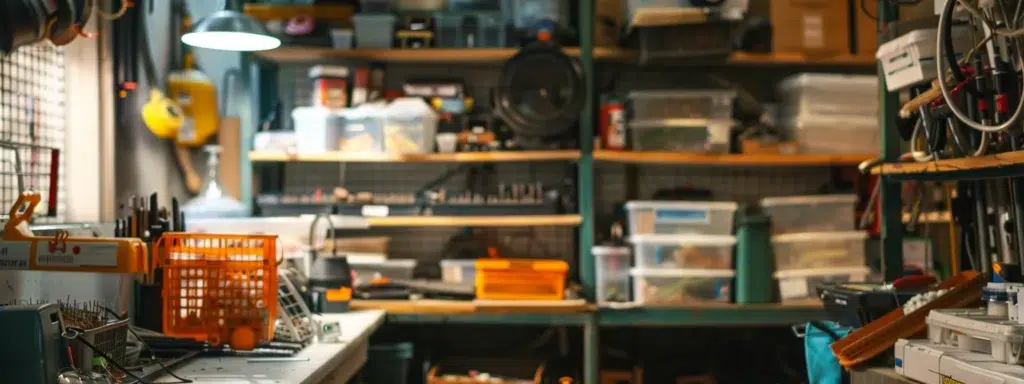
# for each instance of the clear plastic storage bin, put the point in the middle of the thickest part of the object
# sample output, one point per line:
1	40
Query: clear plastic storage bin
661	105
819	250
680	135
729	9
364	129
823	213
317	129
374	30
458	271
683	251
366	271
374	6
681	217
410	126
474	5
818	134
829	94
526	13
613	264
419	5
477	30
802	284
681	286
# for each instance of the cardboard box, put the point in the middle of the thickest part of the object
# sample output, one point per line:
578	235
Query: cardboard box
811	27
864	33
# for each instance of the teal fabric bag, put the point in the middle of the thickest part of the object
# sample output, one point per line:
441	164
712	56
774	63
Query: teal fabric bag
823	366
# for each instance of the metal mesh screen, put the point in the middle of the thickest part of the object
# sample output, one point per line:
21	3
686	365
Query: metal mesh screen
32	128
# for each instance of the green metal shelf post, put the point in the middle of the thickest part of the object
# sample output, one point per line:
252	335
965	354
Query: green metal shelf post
891	204
585	186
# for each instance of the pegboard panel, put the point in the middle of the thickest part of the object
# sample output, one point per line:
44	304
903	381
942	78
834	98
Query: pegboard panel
32	126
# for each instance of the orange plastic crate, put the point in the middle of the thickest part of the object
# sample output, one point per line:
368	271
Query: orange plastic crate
520	279
221	289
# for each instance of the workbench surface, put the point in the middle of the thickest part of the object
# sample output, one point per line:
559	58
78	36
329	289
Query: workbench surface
878	375
327	363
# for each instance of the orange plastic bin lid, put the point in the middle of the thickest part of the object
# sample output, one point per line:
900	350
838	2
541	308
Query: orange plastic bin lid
543	265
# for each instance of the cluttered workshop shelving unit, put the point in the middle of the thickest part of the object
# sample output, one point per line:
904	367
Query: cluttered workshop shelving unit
602	177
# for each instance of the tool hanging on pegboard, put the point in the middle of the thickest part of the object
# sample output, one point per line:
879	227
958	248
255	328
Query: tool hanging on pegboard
41	176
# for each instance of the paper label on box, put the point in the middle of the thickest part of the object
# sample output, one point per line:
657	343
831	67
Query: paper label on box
72	254
793	287
682	216
814	31
14	254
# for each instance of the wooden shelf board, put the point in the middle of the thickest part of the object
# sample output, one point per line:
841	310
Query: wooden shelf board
712	315
425	55
475	221
744	58
642	157
466	157
998	165
490	55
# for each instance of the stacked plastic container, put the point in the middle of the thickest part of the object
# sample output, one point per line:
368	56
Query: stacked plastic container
814	241
812	103
681	121
683	251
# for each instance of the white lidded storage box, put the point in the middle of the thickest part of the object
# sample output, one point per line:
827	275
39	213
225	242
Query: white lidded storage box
973	330
368	270
660	105
364	129
681	217
828	94
729	9
910	59
458	271
822	213
819	250
820	134
680	135
317	129
802	284
410	126
613	264
681	286
683	251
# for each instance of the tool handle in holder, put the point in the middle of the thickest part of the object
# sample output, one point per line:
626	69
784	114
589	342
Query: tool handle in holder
21	211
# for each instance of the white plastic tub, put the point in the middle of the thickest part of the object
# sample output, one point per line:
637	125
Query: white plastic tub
910	59
419	5
811	250
820	134
613	264
410	126
828	94
367	270
680	217
681	286
671	104
683	251
802	284
317	129
680	135
458	271
823	213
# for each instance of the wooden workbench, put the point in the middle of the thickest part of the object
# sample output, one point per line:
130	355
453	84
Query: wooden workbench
878	375
475	306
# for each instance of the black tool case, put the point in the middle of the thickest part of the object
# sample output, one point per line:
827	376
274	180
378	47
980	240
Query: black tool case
857	304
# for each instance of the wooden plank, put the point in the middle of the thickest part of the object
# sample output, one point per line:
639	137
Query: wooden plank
464	157
423	55
963	164
475	221
477	306
744	58
641	157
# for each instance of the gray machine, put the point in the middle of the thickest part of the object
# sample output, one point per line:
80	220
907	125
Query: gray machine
33	353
